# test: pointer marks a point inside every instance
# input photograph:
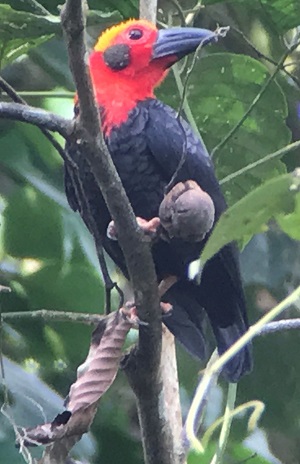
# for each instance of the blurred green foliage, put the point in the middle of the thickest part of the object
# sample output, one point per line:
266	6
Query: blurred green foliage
47	256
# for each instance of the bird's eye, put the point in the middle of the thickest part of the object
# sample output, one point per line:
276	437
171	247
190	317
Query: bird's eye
135	34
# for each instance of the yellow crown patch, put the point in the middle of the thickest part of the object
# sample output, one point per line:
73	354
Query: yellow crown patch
108	35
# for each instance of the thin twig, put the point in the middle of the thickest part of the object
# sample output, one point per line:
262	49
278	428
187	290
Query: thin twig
280	326
179	12
91	318
148	10
86	213
222	31
226	425
184	105
267	58
256	100
183	101
197	409
44	94
51	315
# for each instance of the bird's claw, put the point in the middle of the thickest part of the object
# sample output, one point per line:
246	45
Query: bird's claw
166	309
129	312
150	228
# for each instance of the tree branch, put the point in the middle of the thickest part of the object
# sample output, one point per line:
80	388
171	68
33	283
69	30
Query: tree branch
280	326
50	315
36	116
148	10
88	137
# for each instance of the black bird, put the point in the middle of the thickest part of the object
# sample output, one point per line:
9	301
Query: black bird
146	142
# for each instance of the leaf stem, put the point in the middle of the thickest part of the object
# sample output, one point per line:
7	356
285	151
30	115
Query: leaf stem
46	94
183	101
227	420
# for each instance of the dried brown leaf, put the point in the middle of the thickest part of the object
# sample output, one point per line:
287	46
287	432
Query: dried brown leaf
94	377
101	366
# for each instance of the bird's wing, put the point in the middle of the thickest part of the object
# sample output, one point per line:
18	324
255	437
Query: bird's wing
169	139
220	292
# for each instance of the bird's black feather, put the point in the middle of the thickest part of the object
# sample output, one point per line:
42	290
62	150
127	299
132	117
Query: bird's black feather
146	150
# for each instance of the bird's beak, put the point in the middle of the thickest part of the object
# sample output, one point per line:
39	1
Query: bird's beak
180	41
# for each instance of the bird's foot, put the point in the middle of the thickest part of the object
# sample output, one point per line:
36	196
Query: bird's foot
129	312
166	309
150	228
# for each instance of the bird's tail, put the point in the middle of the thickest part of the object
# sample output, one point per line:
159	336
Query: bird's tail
221	294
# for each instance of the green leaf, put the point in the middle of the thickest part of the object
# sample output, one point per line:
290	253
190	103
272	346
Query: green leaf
18	154
283	14
290	223
95	17
32	215
22	30
241	453
68	288
250	215
128	8
228	85
235	454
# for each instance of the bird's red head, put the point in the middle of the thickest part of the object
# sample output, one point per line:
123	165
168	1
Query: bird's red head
130	59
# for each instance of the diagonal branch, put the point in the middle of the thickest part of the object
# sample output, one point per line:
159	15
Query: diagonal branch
140	265
36	116
146	358
265	57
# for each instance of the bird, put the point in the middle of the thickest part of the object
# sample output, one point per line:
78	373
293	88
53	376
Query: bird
146	140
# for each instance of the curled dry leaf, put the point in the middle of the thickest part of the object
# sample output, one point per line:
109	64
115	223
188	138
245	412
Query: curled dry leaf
187	212
94	377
